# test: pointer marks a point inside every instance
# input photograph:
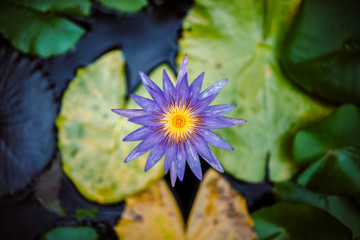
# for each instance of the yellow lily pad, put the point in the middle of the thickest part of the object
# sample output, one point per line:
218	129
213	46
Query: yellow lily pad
90	135
219	212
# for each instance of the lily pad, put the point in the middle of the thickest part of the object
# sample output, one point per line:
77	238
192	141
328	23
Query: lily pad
74	233
285	221
339	207
219	212
240	40
27	114
322	50
90	135
128	6
39	27
331	150
152	214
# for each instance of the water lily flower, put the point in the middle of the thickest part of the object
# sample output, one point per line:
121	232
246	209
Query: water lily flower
177	123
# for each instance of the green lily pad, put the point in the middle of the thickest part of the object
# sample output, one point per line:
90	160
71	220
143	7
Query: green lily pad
331	148
128	6
90	135
339	207
285	221
38	27
73	233
239	40
322	51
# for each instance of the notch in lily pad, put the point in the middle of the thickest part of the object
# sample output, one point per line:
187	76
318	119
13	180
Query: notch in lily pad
330	151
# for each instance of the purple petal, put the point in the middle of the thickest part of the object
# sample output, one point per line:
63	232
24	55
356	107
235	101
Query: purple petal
158	98
129	113
139	134
170	155
201	105
146	120
182	90
180	162
220	122
215	140
195	87
169	89
155	155
182	71
148	83
144	147
203	149
218	110
147	104
173	174
192	158
213	90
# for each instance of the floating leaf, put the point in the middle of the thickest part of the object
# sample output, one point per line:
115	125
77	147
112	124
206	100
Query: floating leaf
219	212
128	6
73	233
91	135
152	214
27	114
298	221
239	40
38	27
331	148
341	208
322	50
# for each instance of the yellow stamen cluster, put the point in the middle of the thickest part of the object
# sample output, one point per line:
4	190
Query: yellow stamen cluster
179	122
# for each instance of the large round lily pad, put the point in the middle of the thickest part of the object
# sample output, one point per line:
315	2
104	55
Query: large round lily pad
341	208
331	151
90	135
322	50
285	221
38	27
27	114
239	40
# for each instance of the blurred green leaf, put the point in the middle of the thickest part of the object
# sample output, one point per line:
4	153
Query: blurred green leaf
90	135
239	40
128	6
82	213
73	233
322	51
341	208
38	27
331	148
285	221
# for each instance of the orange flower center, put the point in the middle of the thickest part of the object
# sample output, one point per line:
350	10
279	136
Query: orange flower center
178	121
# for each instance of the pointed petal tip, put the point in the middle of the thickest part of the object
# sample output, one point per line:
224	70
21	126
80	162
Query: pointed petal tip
198	175
237	122
116	111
